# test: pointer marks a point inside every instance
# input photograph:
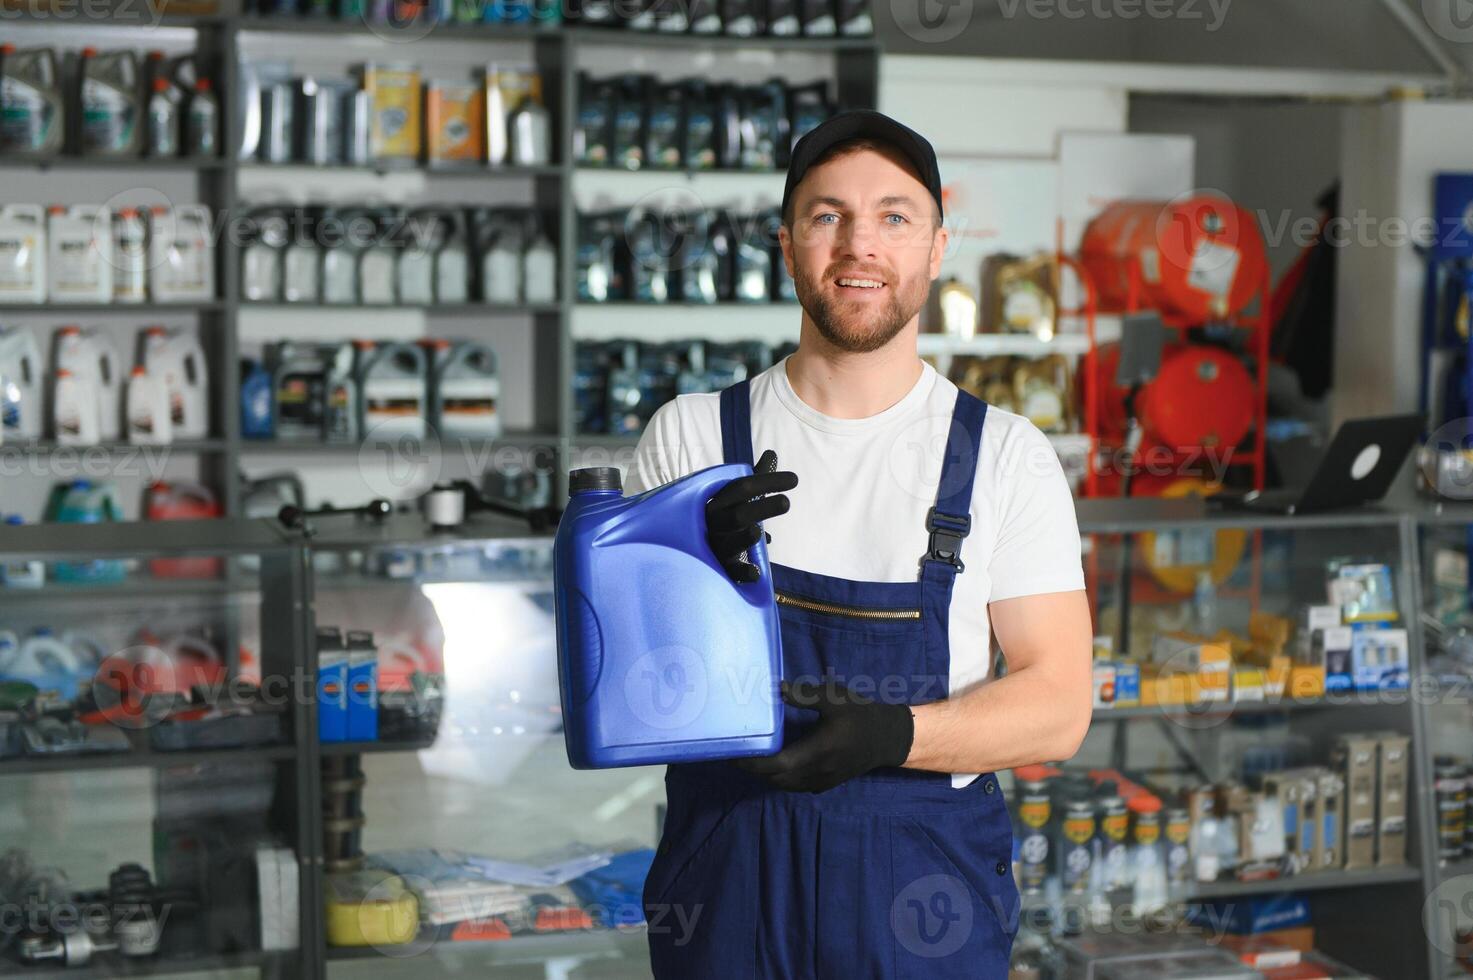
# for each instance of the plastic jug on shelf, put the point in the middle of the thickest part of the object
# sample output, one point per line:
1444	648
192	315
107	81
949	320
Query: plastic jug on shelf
177	357
48	663
182	501
20	386
90	358
85	502
661	656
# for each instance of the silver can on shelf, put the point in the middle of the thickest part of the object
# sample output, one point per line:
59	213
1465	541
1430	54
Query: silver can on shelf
276	122
322	122
357	113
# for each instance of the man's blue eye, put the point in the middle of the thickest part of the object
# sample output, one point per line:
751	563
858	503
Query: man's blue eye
900	216
821	217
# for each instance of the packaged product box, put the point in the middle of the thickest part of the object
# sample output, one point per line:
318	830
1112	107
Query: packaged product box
1248	684
1332	649
1391	801
1306	682
1328	852
1379	659
394	100
455	122
1354	758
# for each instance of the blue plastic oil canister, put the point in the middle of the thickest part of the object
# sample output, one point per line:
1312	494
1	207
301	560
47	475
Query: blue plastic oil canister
661	656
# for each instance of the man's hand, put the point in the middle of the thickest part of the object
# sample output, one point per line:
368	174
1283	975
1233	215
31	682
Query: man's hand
734	515
854	735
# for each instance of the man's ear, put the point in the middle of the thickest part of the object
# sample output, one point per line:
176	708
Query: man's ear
939	241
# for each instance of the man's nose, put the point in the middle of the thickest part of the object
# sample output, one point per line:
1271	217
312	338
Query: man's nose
861	238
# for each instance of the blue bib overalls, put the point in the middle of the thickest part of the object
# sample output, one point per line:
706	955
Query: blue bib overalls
893	874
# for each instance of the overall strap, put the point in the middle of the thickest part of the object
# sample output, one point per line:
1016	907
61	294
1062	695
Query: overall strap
949	521
736	424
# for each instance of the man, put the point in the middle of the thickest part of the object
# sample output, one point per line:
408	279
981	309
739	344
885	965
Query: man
877	842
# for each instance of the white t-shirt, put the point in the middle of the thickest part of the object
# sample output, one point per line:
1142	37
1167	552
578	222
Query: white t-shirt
865	485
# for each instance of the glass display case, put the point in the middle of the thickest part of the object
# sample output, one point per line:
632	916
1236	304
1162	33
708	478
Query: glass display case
338	751
454	835
1251	759
151	799
1444	535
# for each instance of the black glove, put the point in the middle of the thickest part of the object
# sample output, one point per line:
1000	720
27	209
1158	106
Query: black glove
734	515
853	736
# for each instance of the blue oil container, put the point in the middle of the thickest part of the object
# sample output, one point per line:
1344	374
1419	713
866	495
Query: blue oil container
661	656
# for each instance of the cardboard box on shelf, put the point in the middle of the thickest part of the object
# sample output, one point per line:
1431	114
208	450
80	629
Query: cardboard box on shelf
1306	682
1391	801
1104	684
1328	853
1127	685
1332	649
1354	758
1249	684
1379	659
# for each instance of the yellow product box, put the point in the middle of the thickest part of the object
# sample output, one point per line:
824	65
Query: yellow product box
1248	684
370	908
1306	681
394	100
455	122
1214	672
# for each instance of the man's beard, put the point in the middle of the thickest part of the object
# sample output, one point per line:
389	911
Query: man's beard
860	331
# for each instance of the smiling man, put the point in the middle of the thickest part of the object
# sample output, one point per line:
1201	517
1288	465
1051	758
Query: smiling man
920	526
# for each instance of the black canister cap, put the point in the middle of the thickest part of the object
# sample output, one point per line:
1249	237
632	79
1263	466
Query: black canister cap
595	478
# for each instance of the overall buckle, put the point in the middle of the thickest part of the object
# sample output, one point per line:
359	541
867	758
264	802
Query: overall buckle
947	533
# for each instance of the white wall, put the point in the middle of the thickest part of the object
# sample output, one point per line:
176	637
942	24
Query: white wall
1391	153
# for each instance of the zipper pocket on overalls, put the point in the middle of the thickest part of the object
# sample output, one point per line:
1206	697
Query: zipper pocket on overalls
854	612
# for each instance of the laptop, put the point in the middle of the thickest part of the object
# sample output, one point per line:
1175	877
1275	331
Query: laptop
1357	468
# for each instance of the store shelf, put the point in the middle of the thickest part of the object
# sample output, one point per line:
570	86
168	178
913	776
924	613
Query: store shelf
111	965
361	748
693	172
995	344
1315	881
471	446
517	949
142	758
65	162
477	171
391	32
140	588
1348	700
1455	869
627	38
127	309
49	448
432	309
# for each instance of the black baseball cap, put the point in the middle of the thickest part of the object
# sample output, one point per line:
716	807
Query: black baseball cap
863	124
